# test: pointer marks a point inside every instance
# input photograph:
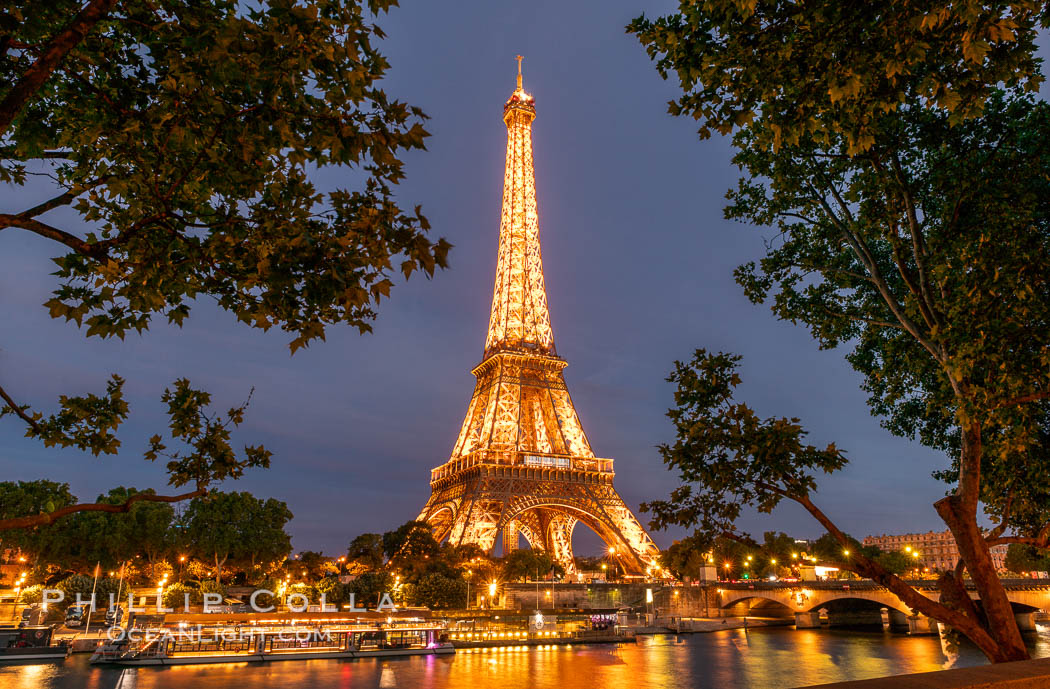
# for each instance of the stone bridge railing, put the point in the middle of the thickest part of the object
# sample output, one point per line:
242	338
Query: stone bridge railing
806	599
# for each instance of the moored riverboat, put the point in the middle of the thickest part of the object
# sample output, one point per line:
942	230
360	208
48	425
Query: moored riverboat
29	644
188	647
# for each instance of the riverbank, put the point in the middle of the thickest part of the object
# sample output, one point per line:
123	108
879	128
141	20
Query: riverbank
566	640
1025	674
706	625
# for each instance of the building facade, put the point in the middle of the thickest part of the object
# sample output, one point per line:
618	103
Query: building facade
936	550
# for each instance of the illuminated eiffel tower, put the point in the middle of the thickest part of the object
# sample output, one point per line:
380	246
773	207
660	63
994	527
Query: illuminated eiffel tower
522	464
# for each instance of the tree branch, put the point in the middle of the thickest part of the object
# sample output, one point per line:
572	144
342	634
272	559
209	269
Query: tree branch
51	517
1003	524
1023	399
19	411
917	242
912	598
50	57
859	319
862	252
51	204
6	152
44	230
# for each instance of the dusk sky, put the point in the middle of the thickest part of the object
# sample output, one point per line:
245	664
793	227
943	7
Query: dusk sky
638	263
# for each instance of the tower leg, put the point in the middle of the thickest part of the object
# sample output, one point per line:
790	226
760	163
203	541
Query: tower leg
510	538
559	539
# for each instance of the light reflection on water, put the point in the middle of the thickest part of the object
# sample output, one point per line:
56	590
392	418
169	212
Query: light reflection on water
763	659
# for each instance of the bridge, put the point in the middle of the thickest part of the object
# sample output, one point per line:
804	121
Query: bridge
862	602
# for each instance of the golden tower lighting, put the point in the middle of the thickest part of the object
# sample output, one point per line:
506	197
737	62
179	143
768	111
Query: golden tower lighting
522	464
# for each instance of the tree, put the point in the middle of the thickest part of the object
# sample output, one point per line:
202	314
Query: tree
368	588
1022	559
18	498
333	590
893	561
860	148
182	134
232	528
85	538
728	457
365	553
315	565
304	589
88	424
85	585
523	563
411	549
839	66
264	524
437	591
686	557
174	596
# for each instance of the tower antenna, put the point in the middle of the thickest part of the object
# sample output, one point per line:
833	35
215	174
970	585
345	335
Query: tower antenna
519	58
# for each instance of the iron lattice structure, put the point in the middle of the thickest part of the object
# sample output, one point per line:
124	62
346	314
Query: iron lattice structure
522	465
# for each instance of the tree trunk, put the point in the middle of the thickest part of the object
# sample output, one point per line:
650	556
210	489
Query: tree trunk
959	512
974	551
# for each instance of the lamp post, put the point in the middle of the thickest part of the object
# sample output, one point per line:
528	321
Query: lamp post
469	572
18	590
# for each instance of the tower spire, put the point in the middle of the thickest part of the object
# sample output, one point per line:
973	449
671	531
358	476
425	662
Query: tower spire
519	321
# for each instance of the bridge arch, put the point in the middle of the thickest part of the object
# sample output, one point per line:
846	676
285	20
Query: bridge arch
803	599
758	606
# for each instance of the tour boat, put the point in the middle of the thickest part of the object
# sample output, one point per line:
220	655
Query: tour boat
30	644
245	645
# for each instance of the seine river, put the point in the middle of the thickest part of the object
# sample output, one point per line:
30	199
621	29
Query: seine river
775	658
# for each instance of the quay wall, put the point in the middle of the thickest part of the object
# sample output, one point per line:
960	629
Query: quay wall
1025	674
668	601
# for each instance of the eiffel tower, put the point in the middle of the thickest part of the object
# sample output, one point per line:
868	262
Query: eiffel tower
522	465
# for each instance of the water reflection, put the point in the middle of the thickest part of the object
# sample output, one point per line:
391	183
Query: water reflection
765	658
